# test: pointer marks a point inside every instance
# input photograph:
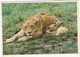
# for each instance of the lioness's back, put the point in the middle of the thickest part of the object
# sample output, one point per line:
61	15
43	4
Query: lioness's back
48	19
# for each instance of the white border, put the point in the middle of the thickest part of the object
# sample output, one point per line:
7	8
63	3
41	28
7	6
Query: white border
78	14
57	55
40	55
37	0
1	30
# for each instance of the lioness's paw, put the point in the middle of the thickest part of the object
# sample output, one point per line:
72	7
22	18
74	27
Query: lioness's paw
22	39
9	40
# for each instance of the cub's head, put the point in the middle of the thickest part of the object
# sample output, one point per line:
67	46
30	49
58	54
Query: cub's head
50	28
31	26
53	27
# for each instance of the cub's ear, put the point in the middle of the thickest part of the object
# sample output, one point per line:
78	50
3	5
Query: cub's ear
21	24
61	22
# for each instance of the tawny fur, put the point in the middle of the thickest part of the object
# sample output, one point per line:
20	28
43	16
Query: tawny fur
58	31
61	30
34	26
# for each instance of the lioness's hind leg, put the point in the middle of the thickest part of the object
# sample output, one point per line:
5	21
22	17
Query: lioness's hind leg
23	39
18	35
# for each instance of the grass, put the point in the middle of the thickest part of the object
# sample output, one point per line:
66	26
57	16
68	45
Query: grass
15	13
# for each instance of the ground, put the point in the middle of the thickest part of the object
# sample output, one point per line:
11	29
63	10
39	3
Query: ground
15	13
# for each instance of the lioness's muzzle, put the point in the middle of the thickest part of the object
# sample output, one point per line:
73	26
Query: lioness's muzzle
30	36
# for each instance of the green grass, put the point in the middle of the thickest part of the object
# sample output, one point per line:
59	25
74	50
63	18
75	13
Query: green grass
15	13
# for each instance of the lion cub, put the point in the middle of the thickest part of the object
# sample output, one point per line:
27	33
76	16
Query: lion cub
56	32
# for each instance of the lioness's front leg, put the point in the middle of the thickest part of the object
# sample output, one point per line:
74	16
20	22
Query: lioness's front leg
23	39
18	35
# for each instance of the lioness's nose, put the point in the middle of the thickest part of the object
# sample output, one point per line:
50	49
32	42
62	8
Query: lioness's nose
29	32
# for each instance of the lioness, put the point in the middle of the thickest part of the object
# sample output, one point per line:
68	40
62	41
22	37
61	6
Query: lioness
56	32
34	27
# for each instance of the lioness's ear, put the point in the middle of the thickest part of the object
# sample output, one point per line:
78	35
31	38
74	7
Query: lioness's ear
38	18
36	21
21	24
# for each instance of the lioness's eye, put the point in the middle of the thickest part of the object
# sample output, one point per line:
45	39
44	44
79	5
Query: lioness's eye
32	25
25	26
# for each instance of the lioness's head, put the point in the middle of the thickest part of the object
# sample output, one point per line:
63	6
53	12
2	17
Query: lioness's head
31	26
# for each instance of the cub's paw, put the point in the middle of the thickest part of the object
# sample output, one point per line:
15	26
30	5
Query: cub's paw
9	40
